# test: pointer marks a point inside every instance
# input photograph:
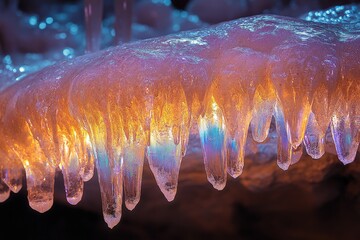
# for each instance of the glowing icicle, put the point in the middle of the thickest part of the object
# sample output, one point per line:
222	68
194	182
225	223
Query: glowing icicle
12	174
295	87
264	101
39	170
133	167
322	108
345	120
235	154
212	136
109	177
135	140
93	10
168	127
284	150
314	139
296	154
40	177
123	20
236	77
86	155
164	159
70	154
234	167
40	121
99	115
13	178
4	191
111	188
236	144
345	137
72	179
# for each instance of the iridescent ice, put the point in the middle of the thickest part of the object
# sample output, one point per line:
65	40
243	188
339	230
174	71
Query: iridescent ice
111	108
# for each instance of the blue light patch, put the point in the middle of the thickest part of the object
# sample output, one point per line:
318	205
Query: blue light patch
33	20
49	20
68	52
42	25
61	36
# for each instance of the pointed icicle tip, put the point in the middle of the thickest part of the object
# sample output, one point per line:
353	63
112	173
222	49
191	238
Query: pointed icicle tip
344	137
217	184
42	206
164	158
112	221
131	203
284	166
4	192
169	192
212	136
74	200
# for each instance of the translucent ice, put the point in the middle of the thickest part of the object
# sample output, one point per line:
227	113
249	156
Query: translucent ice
123	20
93	10
142	99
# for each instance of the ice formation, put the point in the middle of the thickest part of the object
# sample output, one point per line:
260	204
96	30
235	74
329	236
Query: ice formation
112	108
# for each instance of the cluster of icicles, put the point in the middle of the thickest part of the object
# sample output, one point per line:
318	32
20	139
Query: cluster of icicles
115	107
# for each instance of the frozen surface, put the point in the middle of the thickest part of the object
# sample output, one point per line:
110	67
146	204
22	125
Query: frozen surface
227	84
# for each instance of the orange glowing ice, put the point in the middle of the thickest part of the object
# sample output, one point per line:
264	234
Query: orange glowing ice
114	107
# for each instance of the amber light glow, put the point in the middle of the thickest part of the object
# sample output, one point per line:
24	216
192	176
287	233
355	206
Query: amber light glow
113	108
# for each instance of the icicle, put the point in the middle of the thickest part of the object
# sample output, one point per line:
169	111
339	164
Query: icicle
264	101
212	136
12	172
295	86
164	159
235	154
110	186
93	10
98	114
133	168
284	146
168	126
296	154
344	136
314	139
13	177
4	191
109	176
71	153
111	91
237	75
184	140
236	138
73	182
38	120
123	20
345	120
86	155
40	178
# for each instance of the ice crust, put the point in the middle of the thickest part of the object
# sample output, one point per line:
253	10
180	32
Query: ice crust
110	109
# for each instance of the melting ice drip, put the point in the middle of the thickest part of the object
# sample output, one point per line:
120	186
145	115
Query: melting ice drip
112	108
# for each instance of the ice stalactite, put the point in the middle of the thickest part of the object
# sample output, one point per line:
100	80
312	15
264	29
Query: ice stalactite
168	124
123	20
314	139
93	10
4	191
112	108
212	136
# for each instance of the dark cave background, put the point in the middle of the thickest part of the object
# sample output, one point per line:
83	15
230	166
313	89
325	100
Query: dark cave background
294	209
299	207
